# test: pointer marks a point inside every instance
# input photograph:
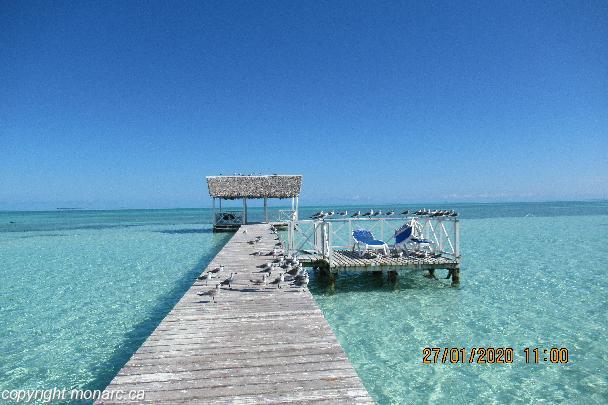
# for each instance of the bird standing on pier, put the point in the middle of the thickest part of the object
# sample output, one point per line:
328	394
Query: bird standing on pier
303	282
218	270
259	282
279	280
207	276
294	270
229	280
212	293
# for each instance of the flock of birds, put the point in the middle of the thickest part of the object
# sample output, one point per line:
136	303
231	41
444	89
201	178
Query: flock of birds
390	213
288	269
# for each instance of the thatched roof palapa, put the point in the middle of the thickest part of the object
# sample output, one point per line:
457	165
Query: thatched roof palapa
231	187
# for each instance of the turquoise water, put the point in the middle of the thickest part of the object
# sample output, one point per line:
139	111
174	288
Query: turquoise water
81	290
525	282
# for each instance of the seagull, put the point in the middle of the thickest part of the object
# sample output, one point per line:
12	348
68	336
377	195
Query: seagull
303	282
261	282
453	213
207	276
379	212
356	214
343	213
218	270
279	280
369	213
212	293
301	275
390	213
330	213
229	280
405	212
294	270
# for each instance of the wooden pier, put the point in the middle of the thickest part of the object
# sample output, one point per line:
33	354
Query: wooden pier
255	344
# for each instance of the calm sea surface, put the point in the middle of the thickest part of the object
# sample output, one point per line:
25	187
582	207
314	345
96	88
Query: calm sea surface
81	290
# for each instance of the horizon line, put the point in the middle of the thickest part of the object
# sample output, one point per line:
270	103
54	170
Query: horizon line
72	209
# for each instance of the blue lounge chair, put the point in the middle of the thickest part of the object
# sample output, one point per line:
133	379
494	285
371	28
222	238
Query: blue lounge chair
364	241
406	239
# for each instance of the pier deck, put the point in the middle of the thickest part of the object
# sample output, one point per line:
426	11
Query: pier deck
254	345
351	261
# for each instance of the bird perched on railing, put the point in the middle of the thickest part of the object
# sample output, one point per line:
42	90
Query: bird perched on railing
343	213
212	293
405	212
356	214
390	213
369	213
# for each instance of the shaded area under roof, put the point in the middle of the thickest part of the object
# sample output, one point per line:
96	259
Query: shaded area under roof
276	186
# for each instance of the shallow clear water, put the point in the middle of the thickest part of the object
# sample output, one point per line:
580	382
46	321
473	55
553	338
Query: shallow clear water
80	294
81	290
525	282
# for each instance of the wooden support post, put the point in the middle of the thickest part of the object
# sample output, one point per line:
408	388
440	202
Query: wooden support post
244	210
456	277
392	276
213	199
266	209
331	280
377	273
432	274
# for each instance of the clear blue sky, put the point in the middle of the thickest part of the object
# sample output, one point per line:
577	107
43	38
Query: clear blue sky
130	104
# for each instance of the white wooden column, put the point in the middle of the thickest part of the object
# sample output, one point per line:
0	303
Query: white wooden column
266	209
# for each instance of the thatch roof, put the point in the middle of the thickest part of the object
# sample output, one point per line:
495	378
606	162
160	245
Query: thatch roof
231	187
